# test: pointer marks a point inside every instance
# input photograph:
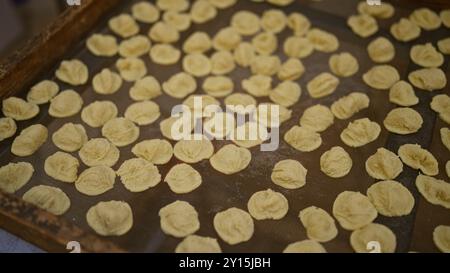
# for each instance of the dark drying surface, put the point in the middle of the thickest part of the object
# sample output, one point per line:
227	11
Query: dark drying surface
219	192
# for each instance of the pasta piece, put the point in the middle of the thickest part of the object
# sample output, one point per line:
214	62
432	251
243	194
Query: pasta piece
347	106
360	239
265	43
405	30
42	92
403	121
444	46
19	109
286	93
363	25
250	134
383	11
218	86
240	103
197	42
138	175
29	140
131	69
180	85
280	2
343	64
273	20
222	62
173	5
146	88
425	18
230	159
51	199
434	190
265	65
322	40
445	137
305	246
381	77
360	132
322	85
267	204
66	104
195	243
179	219
258	85
194	149
223	4
219	126
102	45
182	178
145	12
244	54
297	47
197	64
112	218
98	113
123	25
418	158
245	22
202	11
162	32
445	17
317	118
175	128
441	105
391	198
99	152
180	21
319	225
381	50
303	139
62	167
73	72
95	181
299	23
402	93
14	176
426	55
156	151
120	131
353	210
8	128
135	46
234	225
143	113
441	234
291	70
226	39
428	79
106	82
70	137
336	162
164	54
384	165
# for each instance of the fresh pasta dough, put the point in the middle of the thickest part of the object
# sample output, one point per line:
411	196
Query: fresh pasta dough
405	30
298	23
360	132
99	152
162	32
445	137
434	190
62	167
70	137
173	5
29	140
99	113
182	178
384	165
347	106
223	4
197	42
143	113
391	198
281	3
234	225
131	69
289	174
180	85
51	199
15	175
363	25
381	77
198	244
203	11
146	88
265	43
180	21
206	101
319	225
138	175
19	109
111	218
305	246
180	132
222	62
343	64
425	18
402	93
286	93
353	210
322	85
267	204
73	72
383	11
156	151
322	40
106	82
317	117
297	47
42	92
8	128
197	64
250	134
441	105
418	158
230	159
165	54
135	46
244	54
219	126
360	238
444	46
381	50
179	219
102	45
273	20
265	65
240	99
66	104
245	22
145	12
403	121
336	162
441	235
291	70
426	55
95	181
120	131
124	25
227	39
303	139
194	150
445	17
428	79
257	85
218	86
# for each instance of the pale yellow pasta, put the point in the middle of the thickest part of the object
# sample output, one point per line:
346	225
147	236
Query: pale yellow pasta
8	128
444	46
405	30
445	17
265	65
197	64
143	113
120	131
131	69
95	181
419	158
65	104
14	176
353	210
145	12
441	234
360	239
51	199
441	105
177	124
402	93
322	85
289	174
257	85
280	2
267	204
434	190
265	43
403	121
343	64
62	167
73	72
99	152
29	140
363	25
303	139
286	93
317	117
179	219
273	20
347	106
383	11
70	137
305	246
19	109
298	23
360	132
102	45
426	55
180	85
384	165
164	54
218	86
297	47
425	18
226	39
180	21
219	126
381	50
222	62
291	70
145	89
192	150
156	151
112	218
223	4
381	77
106	82
322	40
182	178
319	225
230	159
234	225
138	175
197	42
391	198
429	79
203	11
175	5
195	243
250	134
240	99
245	22
42	92
447	168
162	32
98	113
135	46
244	54
336	162
123	25
445	137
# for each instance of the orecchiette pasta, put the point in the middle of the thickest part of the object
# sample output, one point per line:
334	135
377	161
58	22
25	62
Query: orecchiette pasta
65	104
197	42
145	89
162	32
29	140
246	22
19	109
402	93
62	167
131	69
383	11
322	85
425	18
363	25
434	190
384	165
143	113
95	181
180	85
426	55
106	82
197	64
99	152
70	137
156	151
343	64
286	93
138	175
102	45
323	40
273	20
222	62
123	25
218	86
265	43
258	85
244	54
14	176
403	121
42	92
289	174
303	139
202	11
98	113
317	118
265	65
429	79
291	70
381	50
135	46
405	30
180	21
381	77
164	54
120	131
226	39
360	132
418	158
299	23
8	128
297	47
145	12
73	72
349	105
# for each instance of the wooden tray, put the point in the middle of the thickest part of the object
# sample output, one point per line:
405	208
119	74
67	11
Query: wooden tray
66	38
